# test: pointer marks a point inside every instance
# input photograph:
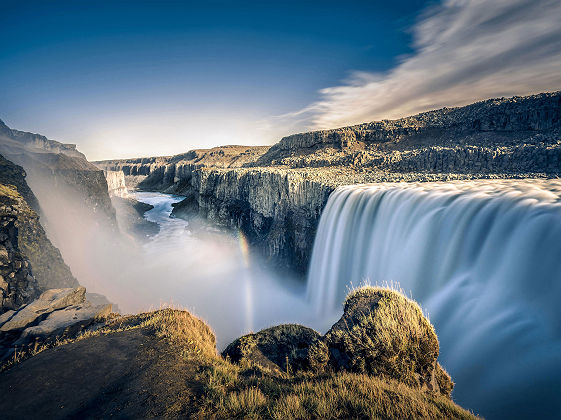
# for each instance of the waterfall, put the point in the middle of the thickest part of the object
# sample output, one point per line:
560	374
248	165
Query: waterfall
116	184
483	258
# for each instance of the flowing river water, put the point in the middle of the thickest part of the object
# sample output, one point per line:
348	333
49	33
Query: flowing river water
214	275
483	258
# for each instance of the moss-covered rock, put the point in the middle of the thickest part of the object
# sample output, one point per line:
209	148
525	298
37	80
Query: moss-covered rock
284	348
384	333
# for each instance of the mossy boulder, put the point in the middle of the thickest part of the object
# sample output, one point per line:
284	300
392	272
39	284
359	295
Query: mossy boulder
284	348
383	333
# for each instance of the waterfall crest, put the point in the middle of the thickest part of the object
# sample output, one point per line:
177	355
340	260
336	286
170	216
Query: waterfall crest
483	258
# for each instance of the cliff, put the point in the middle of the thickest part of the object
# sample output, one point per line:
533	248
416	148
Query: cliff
31	264
57	170
173	172
275	195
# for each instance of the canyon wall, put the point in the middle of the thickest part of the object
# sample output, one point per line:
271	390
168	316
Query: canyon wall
57	170
275	195
277	210
29	263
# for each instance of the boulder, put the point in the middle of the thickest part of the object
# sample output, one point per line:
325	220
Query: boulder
49	301
282	348
383	333
6	316
68	320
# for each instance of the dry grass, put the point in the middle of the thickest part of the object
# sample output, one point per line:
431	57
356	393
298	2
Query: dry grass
250	391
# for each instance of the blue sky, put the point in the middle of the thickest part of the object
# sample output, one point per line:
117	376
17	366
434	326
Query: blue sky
151	78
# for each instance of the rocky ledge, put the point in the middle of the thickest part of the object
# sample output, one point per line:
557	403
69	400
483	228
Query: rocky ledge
164	364
56	314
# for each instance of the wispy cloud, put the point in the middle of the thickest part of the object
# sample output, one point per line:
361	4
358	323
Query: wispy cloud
465	50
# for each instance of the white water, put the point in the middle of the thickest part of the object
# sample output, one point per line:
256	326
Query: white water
484	261
116	184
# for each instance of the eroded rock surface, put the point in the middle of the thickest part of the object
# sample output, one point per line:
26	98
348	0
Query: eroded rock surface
67	320
49	301
55	314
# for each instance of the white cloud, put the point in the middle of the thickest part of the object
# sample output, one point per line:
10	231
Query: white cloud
465	50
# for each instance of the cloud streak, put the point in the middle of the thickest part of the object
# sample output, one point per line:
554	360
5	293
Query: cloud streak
465	50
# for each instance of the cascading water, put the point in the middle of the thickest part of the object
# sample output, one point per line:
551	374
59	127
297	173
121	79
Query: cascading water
116	184
483	258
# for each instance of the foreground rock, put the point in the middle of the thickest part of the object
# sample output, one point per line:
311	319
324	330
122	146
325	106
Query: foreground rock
284	348
384	333
164	364
49	301
381	333
56	313
69	320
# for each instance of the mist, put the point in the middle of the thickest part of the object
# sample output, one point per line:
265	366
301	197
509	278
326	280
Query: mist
187	265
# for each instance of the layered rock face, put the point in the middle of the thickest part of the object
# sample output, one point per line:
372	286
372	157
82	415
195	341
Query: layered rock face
173	172
17	284
54	314
57	170
277	210
24	236
488	124
275	196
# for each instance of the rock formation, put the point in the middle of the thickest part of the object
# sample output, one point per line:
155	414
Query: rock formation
381	333
60	170
54	314
17	283
275	195
30	254
284	348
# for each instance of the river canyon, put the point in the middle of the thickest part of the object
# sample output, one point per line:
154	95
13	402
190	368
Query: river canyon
458	208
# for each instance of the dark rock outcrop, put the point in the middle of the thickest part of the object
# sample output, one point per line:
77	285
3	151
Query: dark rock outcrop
17	283
282	348
384	333
381	333
130	216
28	236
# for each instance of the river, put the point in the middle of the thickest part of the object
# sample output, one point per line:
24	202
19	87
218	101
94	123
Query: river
214	275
